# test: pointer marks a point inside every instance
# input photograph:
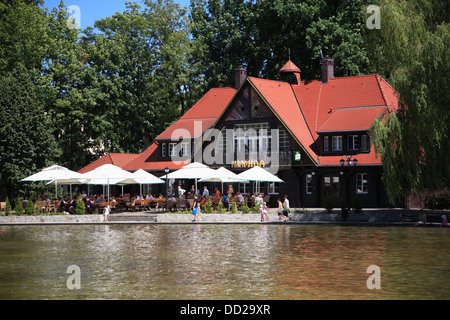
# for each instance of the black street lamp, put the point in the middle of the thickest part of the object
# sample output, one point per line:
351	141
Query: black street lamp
349	161
166	170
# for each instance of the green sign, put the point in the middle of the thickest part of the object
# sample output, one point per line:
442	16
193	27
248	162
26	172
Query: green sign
297	156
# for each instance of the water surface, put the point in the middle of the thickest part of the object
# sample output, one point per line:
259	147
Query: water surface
288	262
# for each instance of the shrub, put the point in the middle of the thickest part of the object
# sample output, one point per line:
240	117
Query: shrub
208	206
356	205
245	208
439	200
8	207
29	209
18	208
233	207
80	208
344	209
220	208
328	204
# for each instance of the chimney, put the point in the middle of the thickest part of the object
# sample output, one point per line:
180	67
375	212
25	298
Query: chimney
327	69
240	74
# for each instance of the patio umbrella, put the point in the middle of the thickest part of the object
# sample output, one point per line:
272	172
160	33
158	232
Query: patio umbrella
224	176
141	177
56	173
259	174
193	170
106	174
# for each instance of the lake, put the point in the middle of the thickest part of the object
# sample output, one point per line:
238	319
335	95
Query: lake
230	261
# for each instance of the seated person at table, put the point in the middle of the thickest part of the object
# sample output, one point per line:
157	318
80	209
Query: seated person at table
149	196
63	204
225	201
240	197
217	193
72	205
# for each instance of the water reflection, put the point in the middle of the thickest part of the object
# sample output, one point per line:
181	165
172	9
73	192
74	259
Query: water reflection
223	262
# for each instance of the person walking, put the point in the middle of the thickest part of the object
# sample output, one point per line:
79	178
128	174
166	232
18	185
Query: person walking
281	215
263	211
196	209
444	220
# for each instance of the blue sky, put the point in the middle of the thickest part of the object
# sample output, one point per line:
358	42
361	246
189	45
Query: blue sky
91	10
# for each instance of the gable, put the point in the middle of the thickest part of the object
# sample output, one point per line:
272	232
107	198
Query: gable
247	105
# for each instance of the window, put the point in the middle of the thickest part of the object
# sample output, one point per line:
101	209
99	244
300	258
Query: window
252	137
185	149
308	188
361	183
274	187
172	149
326	144
365	142
336	143
163	150
222	142
353	142
244	187
283	139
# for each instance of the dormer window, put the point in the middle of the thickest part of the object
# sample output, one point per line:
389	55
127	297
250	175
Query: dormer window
353	142
336	143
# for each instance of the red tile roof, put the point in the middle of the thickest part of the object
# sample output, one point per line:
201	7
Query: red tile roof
206	110
352	119
290	67
280	98
118	159
319	100
363	159
148	160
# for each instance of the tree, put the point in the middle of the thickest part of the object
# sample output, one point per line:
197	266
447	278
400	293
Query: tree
140	58
26	142
262	35
411	51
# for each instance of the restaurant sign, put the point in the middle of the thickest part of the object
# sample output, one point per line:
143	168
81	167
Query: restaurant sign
248	164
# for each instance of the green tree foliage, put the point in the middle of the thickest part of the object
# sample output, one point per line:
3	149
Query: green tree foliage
140	58
26	142
261	34
411	51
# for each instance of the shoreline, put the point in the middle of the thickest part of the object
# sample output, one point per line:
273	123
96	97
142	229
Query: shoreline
370	217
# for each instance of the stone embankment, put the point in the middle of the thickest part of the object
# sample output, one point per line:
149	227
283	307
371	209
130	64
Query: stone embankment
150	217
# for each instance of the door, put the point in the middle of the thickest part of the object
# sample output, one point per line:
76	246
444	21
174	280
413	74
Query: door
331	187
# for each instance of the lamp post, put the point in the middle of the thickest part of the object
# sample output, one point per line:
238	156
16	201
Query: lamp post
349	162
166	170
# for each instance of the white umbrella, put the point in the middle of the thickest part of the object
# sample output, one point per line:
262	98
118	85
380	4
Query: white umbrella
106	174
56	173
224	175
141	177
259	174
193	170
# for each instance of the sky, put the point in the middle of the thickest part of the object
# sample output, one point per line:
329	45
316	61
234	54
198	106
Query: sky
92	10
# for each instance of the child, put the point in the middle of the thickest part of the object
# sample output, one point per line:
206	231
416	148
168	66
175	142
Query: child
444	220
106	212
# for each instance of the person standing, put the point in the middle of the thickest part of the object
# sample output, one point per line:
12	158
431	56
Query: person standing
444	220
106	212
287	208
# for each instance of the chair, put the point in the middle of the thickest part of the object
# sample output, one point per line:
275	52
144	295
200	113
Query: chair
183	204
3	207
191	204
216	202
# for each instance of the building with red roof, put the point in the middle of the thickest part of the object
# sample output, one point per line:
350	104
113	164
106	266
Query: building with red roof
316	135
